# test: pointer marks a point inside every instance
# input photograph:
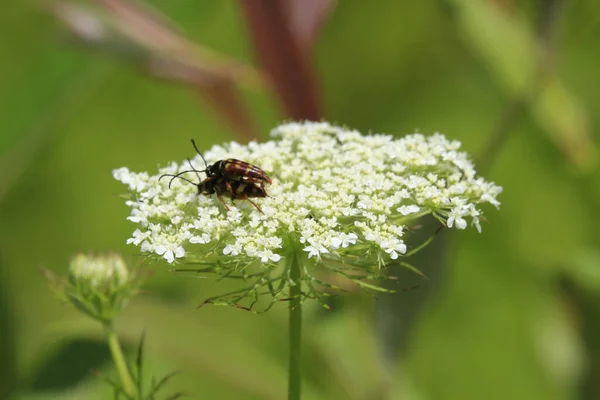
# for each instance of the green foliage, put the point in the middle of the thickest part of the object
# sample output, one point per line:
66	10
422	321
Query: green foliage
497	324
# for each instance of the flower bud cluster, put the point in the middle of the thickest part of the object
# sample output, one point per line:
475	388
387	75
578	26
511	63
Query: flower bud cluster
99	285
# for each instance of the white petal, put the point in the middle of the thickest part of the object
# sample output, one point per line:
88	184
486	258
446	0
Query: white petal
179	252
406	210
336	242
169	256
145	247
160	249
477	224
450	222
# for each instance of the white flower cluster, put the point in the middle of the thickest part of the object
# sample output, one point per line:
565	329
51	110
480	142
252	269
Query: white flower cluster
336	194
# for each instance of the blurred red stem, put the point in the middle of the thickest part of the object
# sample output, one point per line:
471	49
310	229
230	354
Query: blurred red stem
281	56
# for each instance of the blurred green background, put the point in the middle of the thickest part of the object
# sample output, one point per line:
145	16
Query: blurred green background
512	313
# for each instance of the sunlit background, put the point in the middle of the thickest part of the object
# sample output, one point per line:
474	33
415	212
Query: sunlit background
512	313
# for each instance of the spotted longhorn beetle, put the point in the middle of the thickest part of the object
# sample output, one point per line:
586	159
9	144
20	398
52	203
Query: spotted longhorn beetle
232	178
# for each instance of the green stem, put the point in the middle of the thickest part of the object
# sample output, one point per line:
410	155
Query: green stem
295	328
119	359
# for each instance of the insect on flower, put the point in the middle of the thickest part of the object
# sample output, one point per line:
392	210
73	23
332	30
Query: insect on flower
231	178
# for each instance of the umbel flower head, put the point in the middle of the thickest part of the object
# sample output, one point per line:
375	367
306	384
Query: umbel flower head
337	198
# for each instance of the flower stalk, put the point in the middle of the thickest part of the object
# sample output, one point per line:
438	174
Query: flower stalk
116	351
295	328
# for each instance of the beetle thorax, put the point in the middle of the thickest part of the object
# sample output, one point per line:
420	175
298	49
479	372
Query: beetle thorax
215	169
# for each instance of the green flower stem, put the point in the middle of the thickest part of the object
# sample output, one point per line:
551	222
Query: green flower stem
119	359
295	328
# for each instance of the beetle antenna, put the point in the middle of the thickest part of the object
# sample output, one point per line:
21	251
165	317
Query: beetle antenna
198	151
173	177
195	170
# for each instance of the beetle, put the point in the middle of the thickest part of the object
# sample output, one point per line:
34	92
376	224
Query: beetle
232	169
232	178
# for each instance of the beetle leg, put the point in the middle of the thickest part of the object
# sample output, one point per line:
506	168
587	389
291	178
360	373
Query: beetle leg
257	207
229	188
223	201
